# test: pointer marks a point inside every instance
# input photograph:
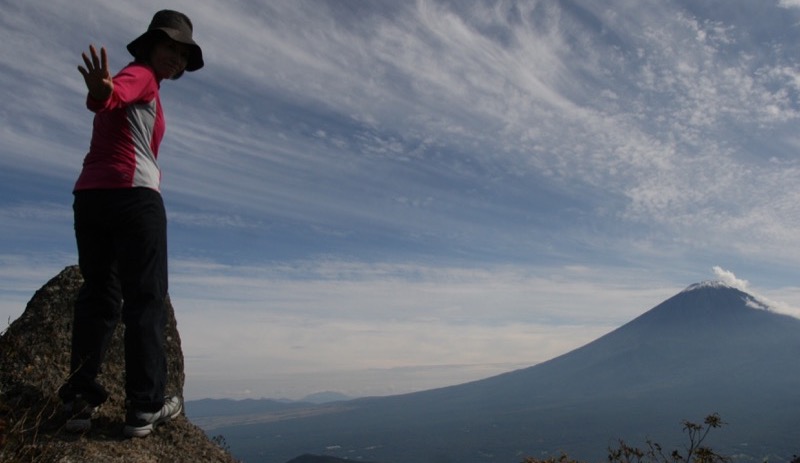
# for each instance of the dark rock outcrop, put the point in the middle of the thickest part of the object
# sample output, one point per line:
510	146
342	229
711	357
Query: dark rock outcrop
34	362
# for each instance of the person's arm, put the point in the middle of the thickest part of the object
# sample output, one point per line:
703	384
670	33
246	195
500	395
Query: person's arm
132	85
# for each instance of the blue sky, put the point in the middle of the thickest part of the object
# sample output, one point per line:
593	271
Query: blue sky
383	196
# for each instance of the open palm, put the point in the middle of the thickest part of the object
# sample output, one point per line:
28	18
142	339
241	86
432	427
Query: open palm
96	75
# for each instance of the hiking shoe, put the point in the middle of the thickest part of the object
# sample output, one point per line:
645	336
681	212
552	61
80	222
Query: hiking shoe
79	414
141	424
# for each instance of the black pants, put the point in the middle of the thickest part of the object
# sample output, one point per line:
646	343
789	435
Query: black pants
122	253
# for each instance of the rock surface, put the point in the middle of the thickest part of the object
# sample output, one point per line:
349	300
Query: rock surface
34	362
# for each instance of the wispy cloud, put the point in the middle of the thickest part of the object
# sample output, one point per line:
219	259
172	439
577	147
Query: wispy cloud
728	277
484	95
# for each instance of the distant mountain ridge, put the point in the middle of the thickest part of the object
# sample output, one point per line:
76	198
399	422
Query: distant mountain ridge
710	348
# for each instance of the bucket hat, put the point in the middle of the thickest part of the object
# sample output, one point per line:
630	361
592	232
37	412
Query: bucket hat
176	26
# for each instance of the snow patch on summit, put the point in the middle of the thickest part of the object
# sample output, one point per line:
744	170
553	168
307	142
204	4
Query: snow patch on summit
727	279
750	300
709	284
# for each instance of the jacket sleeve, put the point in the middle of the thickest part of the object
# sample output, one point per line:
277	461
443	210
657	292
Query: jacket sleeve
133	84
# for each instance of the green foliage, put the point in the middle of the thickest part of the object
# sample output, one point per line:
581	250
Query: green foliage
694	452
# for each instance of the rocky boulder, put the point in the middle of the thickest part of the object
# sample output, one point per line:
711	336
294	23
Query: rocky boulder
34	362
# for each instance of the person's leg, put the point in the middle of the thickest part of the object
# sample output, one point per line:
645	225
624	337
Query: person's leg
97	307
142	251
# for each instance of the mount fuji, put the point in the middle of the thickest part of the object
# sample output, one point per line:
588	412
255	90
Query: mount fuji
709	349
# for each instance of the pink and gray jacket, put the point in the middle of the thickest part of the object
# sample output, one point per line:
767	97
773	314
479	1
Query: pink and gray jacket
128	128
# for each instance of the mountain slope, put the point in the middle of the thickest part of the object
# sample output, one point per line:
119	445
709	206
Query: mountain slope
710	348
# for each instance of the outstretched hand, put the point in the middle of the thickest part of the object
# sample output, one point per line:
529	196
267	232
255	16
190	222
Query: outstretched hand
98	79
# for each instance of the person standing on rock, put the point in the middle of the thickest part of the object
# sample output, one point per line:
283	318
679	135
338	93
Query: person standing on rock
121	229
